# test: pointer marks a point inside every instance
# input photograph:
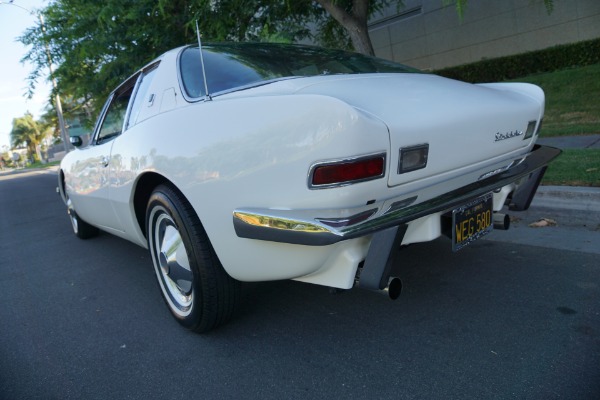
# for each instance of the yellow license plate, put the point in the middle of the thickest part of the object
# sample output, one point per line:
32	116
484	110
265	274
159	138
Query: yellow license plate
472	221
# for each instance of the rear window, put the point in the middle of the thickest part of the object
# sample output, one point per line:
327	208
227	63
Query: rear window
231	66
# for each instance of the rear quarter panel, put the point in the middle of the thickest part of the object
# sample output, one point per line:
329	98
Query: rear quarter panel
251	152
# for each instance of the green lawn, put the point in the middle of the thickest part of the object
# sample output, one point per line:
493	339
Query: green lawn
572	100
572	108
575	167
38	164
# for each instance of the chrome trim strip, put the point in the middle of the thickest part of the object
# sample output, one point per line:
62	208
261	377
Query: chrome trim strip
286	226
351	220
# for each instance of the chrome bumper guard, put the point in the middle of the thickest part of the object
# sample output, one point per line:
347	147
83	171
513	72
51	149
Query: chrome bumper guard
290	226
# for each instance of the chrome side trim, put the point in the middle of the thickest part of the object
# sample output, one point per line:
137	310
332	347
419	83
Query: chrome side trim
351	220
308	228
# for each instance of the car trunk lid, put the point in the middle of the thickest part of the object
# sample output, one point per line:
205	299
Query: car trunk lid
464	125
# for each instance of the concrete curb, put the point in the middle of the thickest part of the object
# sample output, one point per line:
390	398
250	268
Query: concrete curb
19	171
568	197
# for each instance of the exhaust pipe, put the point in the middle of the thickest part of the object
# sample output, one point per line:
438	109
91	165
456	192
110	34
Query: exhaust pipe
394	288
501	221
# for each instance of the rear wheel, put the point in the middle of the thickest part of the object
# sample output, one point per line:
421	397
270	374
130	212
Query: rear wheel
196	288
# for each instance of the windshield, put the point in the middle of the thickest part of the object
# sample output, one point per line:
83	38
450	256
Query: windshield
230	66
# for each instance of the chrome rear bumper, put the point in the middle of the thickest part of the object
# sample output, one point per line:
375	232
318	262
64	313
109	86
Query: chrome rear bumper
304	228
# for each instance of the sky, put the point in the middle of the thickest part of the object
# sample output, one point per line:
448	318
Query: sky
13	75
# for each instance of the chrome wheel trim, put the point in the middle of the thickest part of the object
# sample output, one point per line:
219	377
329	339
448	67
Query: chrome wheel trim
171	262
72	216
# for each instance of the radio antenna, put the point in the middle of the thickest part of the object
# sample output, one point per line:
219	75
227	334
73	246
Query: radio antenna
202	63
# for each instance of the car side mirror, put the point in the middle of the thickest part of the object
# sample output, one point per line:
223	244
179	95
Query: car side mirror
76	141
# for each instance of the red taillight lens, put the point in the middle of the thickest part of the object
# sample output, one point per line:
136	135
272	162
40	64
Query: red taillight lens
348	171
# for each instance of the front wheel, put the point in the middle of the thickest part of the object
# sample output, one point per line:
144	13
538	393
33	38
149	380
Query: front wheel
81	229
196	288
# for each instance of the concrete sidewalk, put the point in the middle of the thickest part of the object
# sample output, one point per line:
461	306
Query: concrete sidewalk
572	142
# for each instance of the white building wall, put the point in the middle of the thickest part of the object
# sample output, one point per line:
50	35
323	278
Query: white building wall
426	35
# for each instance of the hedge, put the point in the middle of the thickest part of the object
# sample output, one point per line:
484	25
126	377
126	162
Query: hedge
519	65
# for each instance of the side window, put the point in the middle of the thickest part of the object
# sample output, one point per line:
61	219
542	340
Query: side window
191	72
114	118
223	72
141	96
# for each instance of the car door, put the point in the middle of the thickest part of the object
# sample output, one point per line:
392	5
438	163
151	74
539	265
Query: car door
91	193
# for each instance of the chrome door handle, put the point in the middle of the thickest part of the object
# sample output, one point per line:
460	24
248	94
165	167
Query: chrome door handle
104	161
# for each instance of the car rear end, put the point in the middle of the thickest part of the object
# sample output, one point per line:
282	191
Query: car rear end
336	158
457	153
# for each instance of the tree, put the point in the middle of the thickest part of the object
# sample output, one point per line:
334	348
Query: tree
97	44
27	131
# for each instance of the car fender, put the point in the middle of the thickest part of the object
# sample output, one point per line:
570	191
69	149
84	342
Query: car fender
243	159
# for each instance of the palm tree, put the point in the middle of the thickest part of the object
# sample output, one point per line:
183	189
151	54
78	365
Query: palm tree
28	131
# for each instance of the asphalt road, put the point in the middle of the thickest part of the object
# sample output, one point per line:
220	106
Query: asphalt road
85	320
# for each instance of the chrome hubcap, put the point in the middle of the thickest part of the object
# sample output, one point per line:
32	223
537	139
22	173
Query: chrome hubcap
172	264
72	216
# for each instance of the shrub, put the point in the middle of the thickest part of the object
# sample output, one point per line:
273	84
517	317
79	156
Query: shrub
515	66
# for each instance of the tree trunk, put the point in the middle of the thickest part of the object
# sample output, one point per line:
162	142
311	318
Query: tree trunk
355	23
361	39
38	152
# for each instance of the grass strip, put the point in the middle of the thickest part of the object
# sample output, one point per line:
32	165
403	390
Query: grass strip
574	167
572	100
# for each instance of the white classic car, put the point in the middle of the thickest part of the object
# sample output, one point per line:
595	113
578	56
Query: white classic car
256	162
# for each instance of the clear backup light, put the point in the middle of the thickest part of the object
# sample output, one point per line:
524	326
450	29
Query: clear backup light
537	131
413	158
530	130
